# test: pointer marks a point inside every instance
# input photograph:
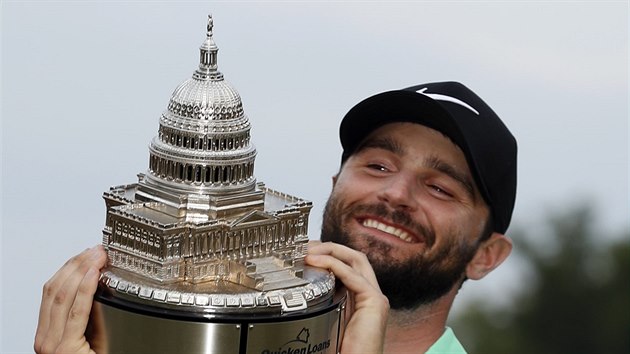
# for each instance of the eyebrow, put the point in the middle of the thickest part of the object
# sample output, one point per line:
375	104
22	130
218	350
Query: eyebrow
463	179
384	143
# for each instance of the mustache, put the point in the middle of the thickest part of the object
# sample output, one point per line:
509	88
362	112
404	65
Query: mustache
399	217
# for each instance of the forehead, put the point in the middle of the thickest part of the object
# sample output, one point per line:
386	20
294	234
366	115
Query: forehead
416	140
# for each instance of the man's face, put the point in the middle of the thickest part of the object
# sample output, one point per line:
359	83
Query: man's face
406	198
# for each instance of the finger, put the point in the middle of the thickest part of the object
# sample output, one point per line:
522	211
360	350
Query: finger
62	291
362	294
79	314
68	292
355	259
313	243
353	278
49	292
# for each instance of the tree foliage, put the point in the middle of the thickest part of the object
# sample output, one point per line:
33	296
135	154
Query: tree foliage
578	300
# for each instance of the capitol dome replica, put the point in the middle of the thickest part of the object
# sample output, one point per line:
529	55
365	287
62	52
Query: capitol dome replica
202	257
198	215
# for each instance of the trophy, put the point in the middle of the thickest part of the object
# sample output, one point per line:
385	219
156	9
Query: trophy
202	257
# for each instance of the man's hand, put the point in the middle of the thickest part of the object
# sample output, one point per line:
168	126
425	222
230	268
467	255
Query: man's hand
66	304
367	307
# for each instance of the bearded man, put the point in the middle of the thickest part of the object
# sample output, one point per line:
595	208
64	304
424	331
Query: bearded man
421	203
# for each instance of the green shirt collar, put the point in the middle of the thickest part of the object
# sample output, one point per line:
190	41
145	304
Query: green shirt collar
447	344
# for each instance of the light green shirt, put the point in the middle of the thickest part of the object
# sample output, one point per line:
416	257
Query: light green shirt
447	344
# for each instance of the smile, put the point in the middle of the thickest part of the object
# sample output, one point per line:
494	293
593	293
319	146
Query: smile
389	229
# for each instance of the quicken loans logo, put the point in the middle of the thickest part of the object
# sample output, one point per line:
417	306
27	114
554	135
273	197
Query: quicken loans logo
300	345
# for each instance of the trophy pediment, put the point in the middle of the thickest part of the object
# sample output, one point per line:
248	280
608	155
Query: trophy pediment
254	217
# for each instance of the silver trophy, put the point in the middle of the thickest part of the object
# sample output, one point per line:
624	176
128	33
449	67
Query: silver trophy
203	258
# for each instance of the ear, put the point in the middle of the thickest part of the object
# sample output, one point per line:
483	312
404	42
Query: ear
490	254
334	180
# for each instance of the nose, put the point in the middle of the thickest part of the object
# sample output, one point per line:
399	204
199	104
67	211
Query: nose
399	193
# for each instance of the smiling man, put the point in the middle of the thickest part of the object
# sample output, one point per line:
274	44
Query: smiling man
421	203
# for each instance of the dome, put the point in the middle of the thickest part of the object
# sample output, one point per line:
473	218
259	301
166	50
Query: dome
205	99
203	143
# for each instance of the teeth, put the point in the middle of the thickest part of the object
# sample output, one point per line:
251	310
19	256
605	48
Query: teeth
403	235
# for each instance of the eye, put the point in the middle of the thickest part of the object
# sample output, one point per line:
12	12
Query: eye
440	192
377	167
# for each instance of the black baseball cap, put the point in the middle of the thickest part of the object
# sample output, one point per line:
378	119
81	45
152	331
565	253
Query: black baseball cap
458	113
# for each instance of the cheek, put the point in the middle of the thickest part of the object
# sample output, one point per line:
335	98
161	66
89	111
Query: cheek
454	224
350	188
442	215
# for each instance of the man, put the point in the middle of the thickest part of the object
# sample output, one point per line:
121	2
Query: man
420	204
426	190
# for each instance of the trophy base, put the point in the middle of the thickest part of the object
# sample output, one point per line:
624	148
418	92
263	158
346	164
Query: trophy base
119	324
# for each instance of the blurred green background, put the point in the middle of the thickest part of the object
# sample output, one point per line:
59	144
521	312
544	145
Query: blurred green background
575	298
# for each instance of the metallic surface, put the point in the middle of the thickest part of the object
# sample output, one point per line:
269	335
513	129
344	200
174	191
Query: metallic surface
198	214
215	298
202	257
129	332
124	330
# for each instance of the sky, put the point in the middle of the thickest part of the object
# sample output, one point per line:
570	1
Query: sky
84	84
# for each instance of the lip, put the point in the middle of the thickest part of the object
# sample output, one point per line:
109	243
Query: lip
385	228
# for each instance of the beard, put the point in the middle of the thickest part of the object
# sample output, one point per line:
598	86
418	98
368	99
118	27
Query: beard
410	283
